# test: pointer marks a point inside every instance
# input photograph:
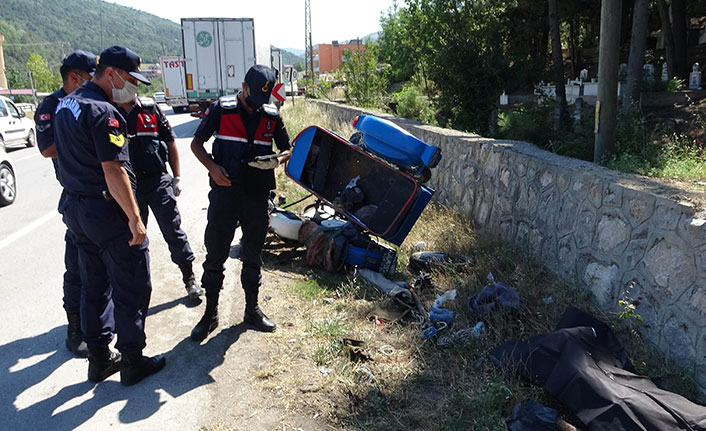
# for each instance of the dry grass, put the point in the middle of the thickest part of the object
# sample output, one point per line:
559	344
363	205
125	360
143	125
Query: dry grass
410	383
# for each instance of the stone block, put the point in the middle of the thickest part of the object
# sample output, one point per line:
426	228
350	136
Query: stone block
693	303
670	263
678	340
585	226
522	236
566	219
546	179
535	242
612	233
549	250
492	164
520	165
648	304
507	230
563	180
526	204
612	195
637	207
602	278
636	247
548	209
595	193
666	215
579	189
566	256
692	229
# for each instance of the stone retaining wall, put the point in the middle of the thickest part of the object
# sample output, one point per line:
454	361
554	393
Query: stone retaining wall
607	230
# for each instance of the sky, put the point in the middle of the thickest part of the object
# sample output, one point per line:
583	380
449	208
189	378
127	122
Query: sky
280	21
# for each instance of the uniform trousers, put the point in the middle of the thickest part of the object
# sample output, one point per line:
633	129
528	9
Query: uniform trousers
157	193
228	207
110	269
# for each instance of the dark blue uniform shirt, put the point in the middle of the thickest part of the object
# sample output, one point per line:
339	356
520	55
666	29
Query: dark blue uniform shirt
44	118
89	130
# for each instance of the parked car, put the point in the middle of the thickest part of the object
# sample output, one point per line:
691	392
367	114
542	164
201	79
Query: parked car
159	97
15	127
8	186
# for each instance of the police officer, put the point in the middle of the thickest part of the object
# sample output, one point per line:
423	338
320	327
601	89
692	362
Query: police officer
76	68
245	126
100	210
152	146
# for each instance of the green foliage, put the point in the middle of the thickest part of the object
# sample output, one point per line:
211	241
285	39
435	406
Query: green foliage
464	48
656	85
365	84
299	65
399	43
411	104
149	90
44	79
53	29
534	123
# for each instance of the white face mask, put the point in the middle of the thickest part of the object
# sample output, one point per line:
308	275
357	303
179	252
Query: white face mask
126	94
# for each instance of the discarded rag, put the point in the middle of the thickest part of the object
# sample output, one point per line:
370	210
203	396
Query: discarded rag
483	303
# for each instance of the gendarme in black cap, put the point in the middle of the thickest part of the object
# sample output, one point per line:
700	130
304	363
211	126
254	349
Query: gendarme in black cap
260	79
125	59
80	60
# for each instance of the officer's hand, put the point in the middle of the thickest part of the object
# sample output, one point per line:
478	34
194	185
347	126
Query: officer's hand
264	164
138	230
219	175
176	186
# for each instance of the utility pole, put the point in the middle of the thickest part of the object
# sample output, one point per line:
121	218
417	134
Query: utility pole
309	49
31	85
608	58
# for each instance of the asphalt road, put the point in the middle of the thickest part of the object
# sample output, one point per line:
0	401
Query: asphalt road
44	387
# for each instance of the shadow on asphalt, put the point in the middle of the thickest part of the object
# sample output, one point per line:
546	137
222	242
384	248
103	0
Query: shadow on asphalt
189	365
186	130
185	301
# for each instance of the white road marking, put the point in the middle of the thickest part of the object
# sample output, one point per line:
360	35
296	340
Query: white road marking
27	229
27	157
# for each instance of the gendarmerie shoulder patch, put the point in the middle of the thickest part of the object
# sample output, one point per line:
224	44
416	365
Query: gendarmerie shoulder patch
270	110
228	102
147	102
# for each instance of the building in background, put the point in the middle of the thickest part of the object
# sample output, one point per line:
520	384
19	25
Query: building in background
328	57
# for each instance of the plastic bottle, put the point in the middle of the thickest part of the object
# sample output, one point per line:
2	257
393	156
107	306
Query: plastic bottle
478	329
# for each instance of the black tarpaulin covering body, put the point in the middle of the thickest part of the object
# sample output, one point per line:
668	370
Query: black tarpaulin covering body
585	367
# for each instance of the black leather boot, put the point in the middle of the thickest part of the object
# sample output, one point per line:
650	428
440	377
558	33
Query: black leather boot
254	316
190	283
74	341
102	363
136	367
209	321
193	288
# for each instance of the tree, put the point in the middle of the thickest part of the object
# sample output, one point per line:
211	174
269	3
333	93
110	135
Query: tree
298	66
667	38
679	32
638	44
365	84
44	79
558	60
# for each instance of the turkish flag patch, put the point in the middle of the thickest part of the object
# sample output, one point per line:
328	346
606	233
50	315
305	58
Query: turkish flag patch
113	122
44	117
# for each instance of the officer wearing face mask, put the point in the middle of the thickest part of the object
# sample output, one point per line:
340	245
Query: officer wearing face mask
76	69
241	176
99	209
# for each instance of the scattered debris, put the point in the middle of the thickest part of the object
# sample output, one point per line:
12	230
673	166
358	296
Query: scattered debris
393	289
496	293
355	350
548	300
429	260
421	245
362	375
325	371
387	350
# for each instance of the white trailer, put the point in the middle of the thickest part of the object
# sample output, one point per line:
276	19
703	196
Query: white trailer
174	80
217	54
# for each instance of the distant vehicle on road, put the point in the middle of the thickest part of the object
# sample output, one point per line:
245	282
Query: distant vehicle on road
8	186
159	97
15	127
174	83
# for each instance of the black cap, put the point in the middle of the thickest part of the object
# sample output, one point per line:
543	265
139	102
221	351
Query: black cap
125	59
80	60
260	80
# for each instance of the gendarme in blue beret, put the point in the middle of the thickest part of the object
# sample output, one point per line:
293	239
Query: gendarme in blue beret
260	79
125	59
80	60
